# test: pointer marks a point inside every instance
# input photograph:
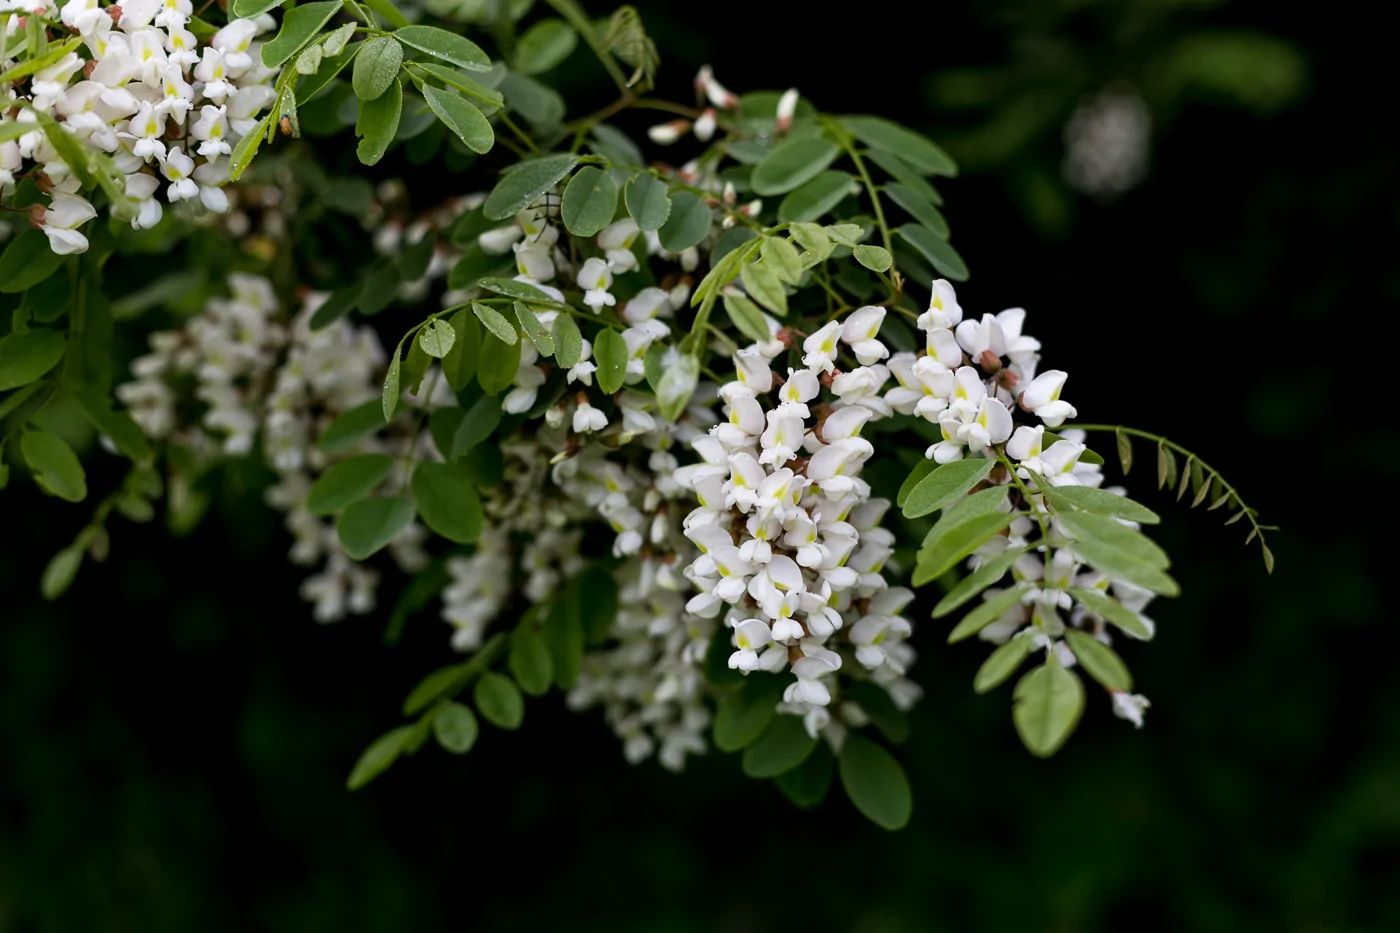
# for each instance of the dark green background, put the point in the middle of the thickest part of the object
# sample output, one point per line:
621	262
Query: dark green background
175	732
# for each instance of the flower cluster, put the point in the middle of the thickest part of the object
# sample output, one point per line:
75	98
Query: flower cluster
789	534
273	384
146	100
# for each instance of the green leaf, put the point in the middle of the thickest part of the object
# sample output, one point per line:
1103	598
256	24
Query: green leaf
763	284
539	104
378	123
1118	551
389	396
1101	661
921	469
817	196
116	425
487	99
936	250
1125	451
56	468
1001	664
496	322
905	174
522	291
346	482
359	422
27	261
524	185
338	304
534	330
945	484
688	224
917	150
455	728
465	121
1113	612
783	258
918	207
477	424
597	599
59	572
27	356
791	163
747	318
875	258
1097	501
445	47
563	631
590	201
743	714
1046	707
447	500
610	353
499	700
988	612
568	342
300	25
648	201
544	45
376	67
783	746
366	526
529	660
248	9
437	338
384	751
807	784
497	364
246	148
813	239
459	366
955	543
875	782
977	581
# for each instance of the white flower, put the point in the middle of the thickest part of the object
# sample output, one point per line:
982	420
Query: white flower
177	168
1042	396
860	331
820	348
587	418
1130	706
750	637
943	308
595	278
717	94
663	134
211	129
787	107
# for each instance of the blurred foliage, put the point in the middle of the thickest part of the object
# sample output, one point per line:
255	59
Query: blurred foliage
174	752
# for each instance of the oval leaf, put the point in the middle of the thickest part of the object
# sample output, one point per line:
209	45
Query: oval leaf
346	482
590	200
447	500
1046	707
369	524
791	163
648	201
688	224
875	782
499	700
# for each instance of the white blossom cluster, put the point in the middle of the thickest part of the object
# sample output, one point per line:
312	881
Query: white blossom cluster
141	91
971	380
274	385
792	551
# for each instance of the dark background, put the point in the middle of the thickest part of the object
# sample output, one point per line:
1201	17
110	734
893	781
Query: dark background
174	734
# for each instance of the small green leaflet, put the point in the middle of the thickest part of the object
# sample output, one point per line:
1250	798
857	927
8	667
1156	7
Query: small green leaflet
299	26
56	468
743	714
360	421
437	338
590	201
1097	501
377	759
568	342
529	661
875	258
544	45
988	612
368	525
920	208
1001	664
1046	707
445	46
520	188
346	482
648	201
377	123
465	121
26	356
817	196
875	782
610	352
27	261
791	163
956	542
783	746
977	581
945	484
534	330
763	284
688	224
498	699
477	424
746	316
455	728
1113	612
447	500
497	364
496	322
1118	550
1102	663
917	150
376	67
936	250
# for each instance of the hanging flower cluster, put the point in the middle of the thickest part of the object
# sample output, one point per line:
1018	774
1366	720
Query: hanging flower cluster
681	441
150	107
